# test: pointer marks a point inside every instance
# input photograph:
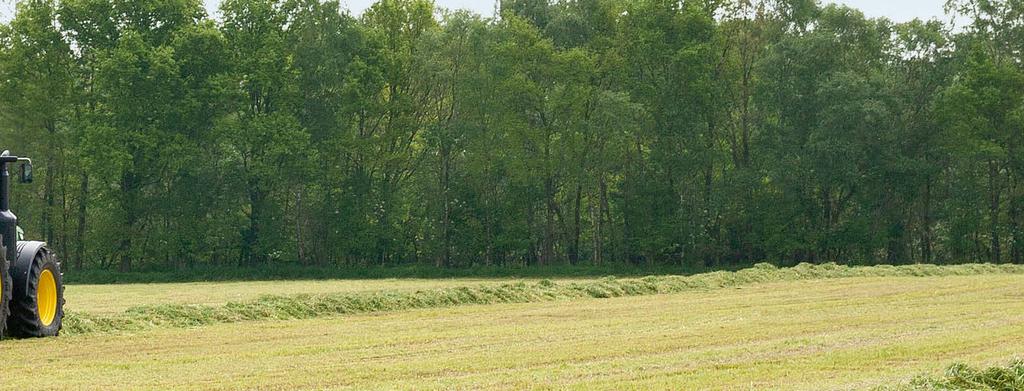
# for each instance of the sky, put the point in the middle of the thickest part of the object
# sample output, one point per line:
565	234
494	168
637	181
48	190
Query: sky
897	10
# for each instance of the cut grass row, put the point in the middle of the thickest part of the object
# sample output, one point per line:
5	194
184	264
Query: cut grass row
964	377
306	306
109	299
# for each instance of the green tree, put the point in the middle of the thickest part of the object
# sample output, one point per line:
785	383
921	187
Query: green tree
36	96
392	122
264	139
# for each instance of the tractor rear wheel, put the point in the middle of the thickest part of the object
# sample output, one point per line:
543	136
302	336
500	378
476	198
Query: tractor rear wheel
5	289
37	309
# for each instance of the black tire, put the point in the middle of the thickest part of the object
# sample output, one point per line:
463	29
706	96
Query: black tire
25	320
5	289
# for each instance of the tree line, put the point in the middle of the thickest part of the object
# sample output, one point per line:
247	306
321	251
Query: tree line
702	133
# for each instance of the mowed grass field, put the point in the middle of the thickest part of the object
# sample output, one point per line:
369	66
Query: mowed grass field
848	333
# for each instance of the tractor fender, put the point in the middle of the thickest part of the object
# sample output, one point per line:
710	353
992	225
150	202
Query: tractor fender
20	267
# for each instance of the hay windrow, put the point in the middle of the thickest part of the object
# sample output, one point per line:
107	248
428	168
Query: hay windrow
963	377
304	306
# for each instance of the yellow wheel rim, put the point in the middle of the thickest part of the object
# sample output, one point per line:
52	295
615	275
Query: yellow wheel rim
46	298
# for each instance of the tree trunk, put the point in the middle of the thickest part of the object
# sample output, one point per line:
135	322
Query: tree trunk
533	256
548	244
488	231
827	217
595	221
446	256
574	256
65	210
83	202
300	240
1017	232
48	188
131	217
979	250
250	238
605	219
993	210
926	222
384	221
745	111
895	247
1017	250
710	223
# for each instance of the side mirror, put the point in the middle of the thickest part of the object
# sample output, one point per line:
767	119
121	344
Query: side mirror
26	172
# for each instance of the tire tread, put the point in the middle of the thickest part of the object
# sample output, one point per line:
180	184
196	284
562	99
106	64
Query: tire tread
23	320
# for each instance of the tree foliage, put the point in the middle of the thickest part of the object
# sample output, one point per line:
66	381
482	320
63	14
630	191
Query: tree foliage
671	132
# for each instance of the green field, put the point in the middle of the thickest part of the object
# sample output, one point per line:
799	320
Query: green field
845	333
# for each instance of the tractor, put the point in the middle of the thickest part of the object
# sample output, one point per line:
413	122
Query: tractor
32	299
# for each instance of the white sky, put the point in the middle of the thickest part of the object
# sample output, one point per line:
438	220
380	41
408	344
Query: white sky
897	10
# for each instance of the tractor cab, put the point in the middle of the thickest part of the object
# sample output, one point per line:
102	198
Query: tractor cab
31	285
